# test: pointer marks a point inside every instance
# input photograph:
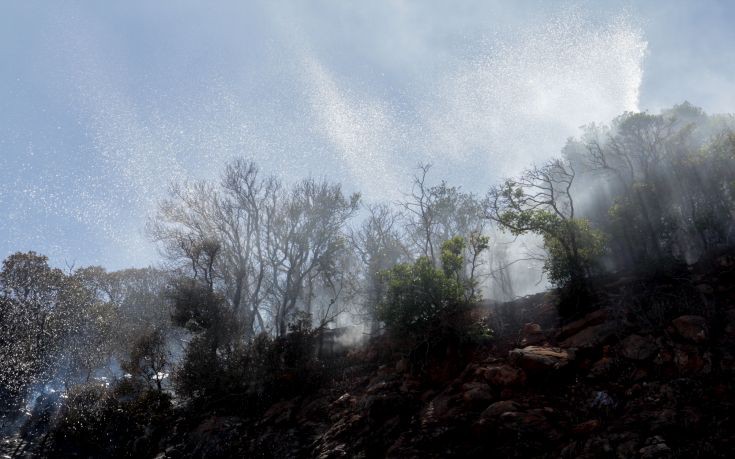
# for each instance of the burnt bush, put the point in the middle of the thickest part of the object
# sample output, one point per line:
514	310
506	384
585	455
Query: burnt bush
125	420
251	375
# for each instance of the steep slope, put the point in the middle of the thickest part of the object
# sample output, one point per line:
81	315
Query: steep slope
648	373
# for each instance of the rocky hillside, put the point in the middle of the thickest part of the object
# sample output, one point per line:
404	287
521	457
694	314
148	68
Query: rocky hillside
647	372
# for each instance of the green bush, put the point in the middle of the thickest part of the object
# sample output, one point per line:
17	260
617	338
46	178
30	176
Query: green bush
417	296
564	266
425	306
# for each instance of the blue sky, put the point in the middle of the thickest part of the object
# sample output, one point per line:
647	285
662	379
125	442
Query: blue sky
104	103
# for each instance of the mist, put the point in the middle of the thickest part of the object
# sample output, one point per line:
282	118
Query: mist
469	110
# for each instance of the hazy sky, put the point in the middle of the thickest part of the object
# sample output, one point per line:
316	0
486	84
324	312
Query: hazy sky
104	103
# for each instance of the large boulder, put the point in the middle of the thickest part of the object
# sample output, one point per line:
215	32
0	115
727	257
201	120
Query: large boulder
532	334
586	428
655	450
477	394
636	347
498	408
602	367
730	323
536	359
503	375
590	337
445	405
572	328
689	360
529	424
691	328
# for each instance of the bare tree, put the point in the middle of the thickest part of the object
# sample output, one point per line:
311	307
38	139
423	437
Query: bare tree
223	234
420	213
306	240
379	244
434	214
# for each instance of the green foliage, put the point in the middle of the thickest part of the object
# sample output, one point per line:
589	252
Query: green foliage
572	245
427	305
541	201
452	257
418	294
561	266
666	180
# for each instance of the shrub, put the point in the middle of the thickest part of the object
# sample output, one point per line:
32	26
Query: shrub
195	306
425	306
564	267
149	358
125	420
417	295
251	375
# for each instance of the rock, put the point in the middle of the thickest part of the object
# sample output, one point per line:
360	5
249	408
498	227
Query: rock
727	362
378	408
636	347
590	336
410	385
659	450
627	449
402	448
665	355
380	385
498	408
602	367
657	421
532	423
691	417
586	428
691	328
595	447
214	437
314	410
477	394
504	375
726	261
445	405
535	359
280	412
689	360
639	374
655	448
531	334
344	400
403	365
730	323
572	328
